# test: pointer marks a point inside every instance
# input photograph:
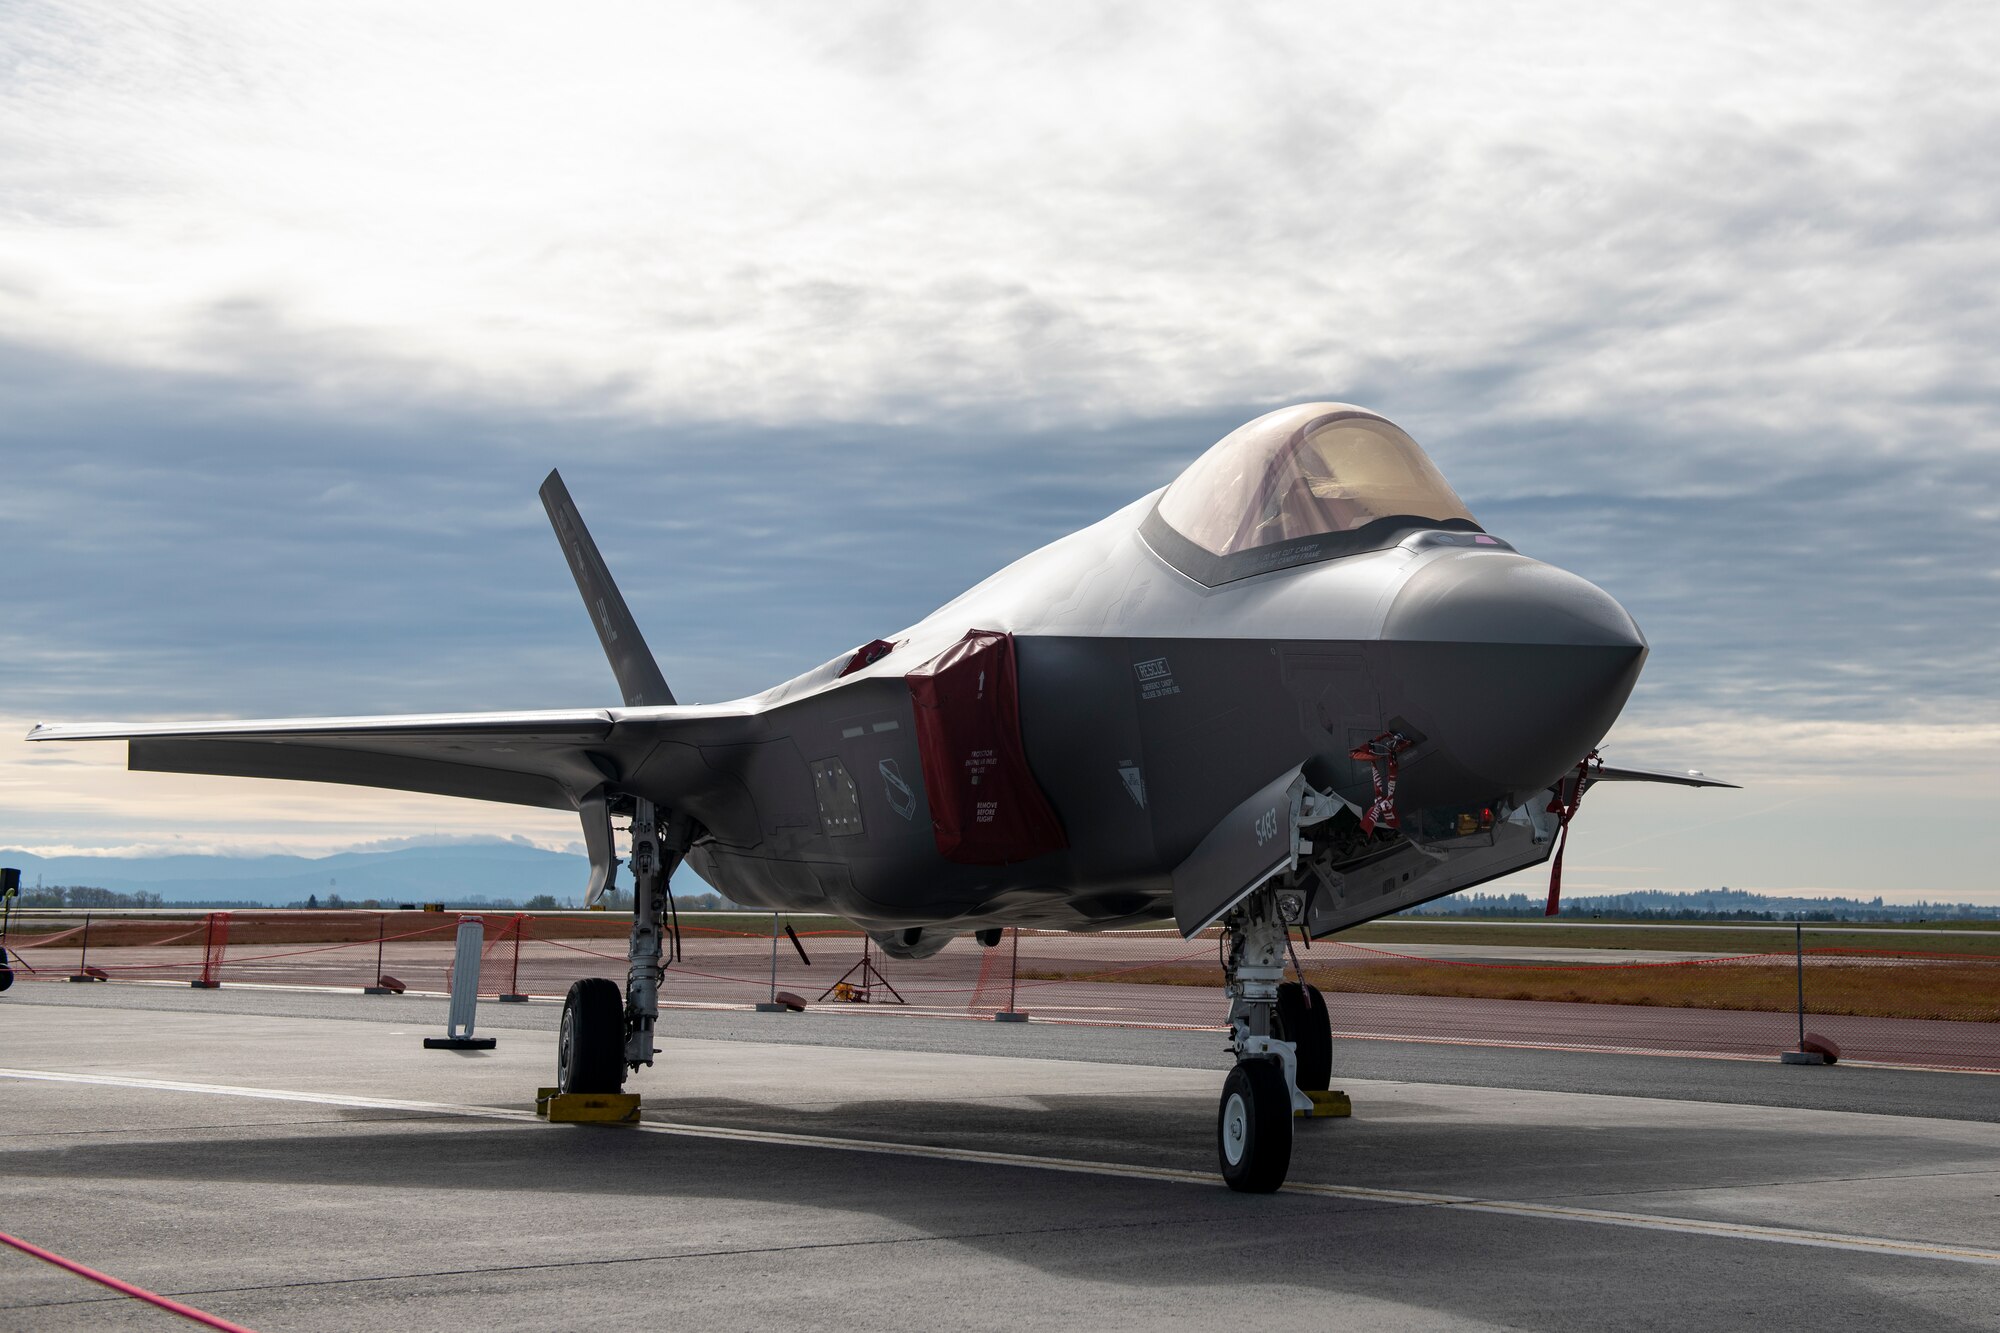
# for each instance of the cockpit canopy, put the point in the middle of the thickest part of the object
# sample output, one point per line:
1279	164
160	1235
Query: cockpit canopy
1300	484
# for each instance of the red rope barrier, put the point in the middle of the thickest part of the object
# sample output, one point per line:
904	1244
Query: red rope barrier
45	941
614	957
123	1287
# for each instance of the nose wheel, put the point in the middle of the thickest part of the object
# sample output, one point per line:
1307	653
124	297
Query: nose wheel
1254	1129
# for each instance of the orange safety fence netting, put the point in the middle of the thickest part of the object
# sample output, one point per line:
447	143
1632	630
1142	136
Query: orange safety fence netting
1898	1006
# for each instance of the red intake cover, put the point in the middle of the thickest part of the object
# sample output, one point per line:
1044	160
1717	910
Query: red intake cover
986	807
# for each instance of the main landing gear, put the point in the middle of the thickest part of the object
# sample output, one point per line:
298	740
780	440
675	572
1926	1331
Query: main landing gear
601	1037
1283	1042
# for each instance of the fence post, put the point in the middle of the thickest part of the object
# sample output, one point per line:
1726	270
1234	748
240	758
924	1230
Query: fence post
1821	1051
380	986
212	951
513	994
771	1006
82	972
1010	1014
1799	954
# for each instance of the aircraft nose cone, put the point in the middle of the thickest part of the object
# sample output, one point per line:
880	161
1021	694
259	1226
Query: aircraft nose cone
1512	669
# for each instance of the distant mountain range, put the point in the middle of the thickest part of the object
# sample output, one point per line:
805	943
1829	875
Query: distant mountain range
454	872
1705	904
503	871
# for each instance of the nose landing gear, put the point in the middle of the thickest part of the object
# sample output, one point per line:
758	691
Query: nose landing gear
1282	1039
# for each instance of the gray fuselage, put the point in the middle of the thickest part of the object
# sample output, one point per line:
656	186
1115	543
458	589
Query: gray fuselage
1150	706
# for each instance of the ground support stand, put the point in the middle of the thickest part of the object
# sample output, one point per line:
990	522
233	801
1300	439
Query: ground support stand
460	1018
857	984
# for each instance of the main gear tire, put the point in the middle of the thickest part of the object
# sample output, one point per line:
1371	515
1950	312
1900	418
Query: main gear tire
1304	1021
590	1051
1254	1127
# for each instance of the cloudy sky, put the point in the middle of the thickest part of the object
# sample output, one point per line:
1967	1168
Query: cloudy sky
827	310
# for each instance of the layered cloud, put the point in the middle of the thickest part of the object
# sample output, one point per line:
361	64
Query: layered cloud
1747	221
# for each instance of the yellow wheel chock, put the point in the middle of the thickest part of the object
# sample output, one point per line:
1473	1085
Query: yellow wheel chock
606	1108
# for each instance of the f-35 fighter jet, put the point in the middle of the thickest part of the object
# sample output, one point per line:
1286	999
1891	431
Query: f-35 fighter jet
1297	689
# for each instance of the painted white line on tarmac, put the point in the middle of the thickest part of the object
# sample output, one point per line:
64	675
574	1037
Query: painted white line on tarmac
1462	1203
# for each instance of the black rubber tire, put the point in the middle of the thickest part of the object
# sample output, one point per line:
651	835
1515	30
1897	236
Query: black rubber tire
590	1050
6	977
1303	1021
1253	1134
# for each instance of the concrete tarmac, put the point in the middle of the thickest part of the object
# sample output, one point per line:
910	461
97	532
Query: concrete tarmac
298	1161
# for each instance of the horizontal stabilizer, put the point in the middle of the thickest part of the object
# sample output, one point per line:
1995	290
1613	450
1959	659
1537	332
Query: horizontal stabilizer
632	661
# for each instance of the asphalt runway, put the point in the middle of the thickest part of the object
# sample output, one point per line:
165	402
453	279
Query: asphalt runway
295	1160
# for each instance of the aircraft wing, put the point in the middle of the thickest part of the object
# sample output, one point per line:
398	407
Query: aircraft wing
1692	777
544	759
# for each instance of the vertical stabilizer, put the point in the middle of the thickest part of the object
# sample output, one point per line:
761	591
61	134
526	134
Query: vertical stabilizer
632	661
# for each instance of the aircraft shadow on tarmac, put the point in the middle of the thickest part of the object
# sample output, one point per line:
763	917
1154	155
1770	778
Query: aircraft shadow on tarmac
1383	1149
1105	1229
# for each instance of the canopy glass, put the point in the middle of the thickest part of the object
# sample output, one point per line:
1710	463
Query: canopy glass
1304	472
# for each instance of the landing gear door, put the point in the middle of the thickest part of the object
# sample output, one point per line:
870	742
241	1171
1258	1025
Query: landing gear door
1249	845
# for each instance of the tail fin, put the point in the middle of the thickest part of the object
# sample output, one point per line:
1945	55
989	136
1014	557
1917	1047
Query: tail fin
632	662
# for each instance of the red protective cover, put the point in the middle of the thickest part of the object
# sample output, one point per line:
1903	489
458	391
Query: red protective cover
867	655
986	807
